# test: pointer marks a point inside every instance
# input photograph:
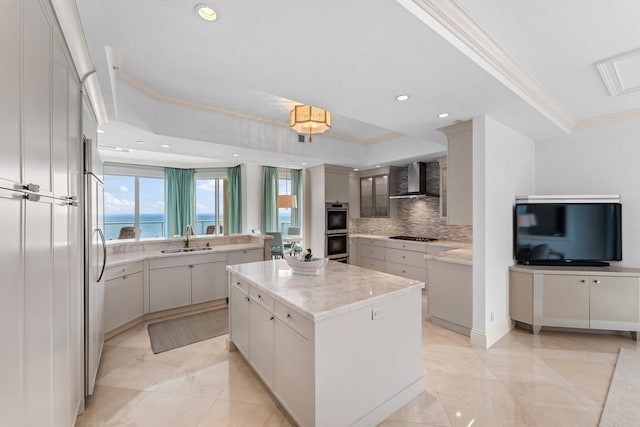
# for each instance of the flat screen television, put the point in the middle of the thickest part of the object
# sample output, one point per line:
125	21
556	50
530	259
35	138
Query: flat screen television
567	233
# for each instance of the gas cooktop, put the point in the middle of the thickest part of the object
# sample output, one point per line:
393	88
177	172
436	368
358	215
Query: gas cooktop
414	238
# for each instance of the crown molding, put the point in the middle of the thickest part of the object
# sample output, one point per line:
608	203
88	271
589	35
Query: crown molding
607	119
455	25
142	87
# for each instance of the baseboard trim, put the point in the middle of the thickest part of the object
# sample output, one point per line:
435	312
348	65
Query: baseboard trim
450	325
478	339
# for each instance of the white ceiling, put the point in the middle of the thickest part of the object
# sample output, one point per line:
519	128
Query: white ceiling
226	87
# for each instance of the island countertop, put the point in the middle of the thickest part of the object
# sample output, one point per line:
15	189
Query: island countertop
337	289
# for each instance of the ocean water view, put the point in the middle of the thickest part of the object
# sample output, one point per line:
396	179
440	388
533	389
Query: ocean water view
151	225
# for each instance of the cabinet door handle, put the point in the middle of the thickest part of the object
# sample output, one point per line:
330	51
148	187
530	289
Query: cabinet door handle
582	280
596	281
31	187
237	283
403	257
259	296
247	299
288	316
271	318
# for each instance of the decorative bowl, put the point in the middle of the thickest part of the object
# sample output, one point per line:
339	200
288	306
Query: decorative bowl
310	268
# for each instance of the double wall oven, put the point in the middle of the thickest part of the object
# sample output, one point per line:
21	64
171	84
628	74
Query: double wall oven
337	232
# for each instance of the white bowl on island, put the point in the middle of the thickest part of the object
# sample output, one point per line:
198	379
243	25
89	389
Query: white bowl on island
310	268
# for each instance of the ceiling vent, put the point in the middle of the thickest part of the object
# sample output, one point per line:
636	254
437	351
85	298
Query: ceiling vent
621	73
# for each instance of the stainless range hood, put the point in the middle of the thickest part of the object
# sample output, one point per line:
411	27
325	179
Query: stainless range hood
417	182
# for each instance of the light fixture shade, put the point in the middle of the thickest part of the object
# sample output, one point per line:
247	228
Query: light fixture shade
308	119
287	201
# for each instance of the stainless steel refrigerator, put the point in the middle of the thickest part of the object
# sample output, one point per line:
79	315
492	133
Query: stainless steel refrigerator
95	259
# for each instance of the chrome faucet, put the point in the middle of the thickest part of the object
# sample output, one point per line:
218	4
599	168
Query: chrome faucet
189	232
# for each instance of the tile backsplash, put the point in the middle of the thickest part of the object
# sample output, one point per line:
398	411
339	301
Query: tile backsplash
416	217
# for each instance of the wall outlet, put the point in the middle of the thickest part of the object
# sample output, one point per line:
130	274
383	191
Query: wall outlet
377	313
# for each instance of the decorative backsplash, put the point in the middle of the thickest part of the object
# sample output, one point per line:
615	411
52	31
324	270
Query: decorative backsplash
416	217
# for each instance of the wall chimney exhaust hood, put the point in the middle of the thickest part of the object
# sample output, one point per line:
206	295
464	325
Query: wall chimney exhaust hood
417	182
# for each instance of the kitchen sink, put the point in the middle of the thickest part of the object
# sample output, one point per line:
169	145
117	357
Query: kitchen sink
181	250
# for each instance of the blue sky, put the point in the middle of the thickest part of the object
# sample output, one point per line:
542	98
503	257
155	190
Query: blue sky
119	195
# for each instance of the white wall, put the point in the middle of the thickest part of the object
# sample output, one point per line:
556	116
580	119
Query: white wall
503	167
252	176
597	160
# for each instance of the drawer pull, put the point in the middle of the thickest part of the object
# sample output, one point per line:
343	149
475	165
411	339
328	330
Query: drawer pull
271	318
582	280
237	283
596	281
403	257
259	296
247	299
288	316
404	271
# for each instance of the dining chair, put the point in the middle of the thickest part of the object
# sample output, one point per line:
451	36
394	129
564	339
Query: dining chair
127	233
296	247
277	248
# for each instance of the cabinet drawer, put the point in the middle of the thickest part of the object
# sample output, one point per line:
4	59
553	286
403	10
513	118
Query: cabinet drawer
245	256
372	242
415	259
240	283
375	252
262	298
295	320
122	270
372	264
407	271
181	260
407	246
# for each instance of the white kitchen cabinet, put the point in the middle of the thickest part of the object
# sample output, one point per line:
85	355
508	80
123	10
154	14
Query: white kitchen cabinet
336	186
261	341
186	279
354	251
124	296
40	296
588	298
169	288
450	295
294	372
244	256
239	314
459	173
208	282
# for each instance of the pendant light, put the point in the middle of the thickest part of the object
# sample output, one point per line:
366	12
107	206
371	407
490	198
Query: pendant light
287	201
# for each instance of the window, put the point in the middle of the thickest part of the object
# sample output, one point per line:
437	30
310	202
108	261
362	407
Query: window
133	197
284	214
211	209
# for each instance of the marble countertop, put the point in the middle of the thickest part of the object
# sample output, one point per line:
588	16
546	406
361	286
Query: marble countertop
125	258
338	289
456	256
445	243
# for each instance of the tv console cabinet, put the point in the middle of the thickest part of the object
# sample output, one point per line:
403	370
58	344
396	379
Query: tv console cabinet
606	298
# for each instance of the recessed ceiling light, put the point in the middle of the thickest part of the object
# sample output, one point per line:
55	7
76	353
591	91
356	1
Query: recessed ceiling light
206	12
165	146
303	163
443	115
235	154
100	131
356	169
377	166
140	142
402	97
118	149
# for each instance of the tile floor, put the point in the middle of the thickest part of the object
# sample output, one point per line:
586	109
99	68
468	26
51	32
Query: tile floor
554	379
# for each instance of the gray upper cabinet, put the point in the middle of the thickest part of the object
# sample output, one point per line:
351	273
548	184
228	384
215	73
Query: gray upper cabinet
459	174
374	193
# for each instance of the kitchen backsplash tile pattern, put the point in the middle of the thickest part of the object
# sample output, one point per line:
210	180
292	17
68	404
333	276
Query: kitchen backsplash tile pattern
416	217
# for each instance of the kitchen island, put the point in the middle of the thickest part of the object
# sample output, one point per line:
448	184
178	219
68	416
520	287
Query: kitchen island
341	348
